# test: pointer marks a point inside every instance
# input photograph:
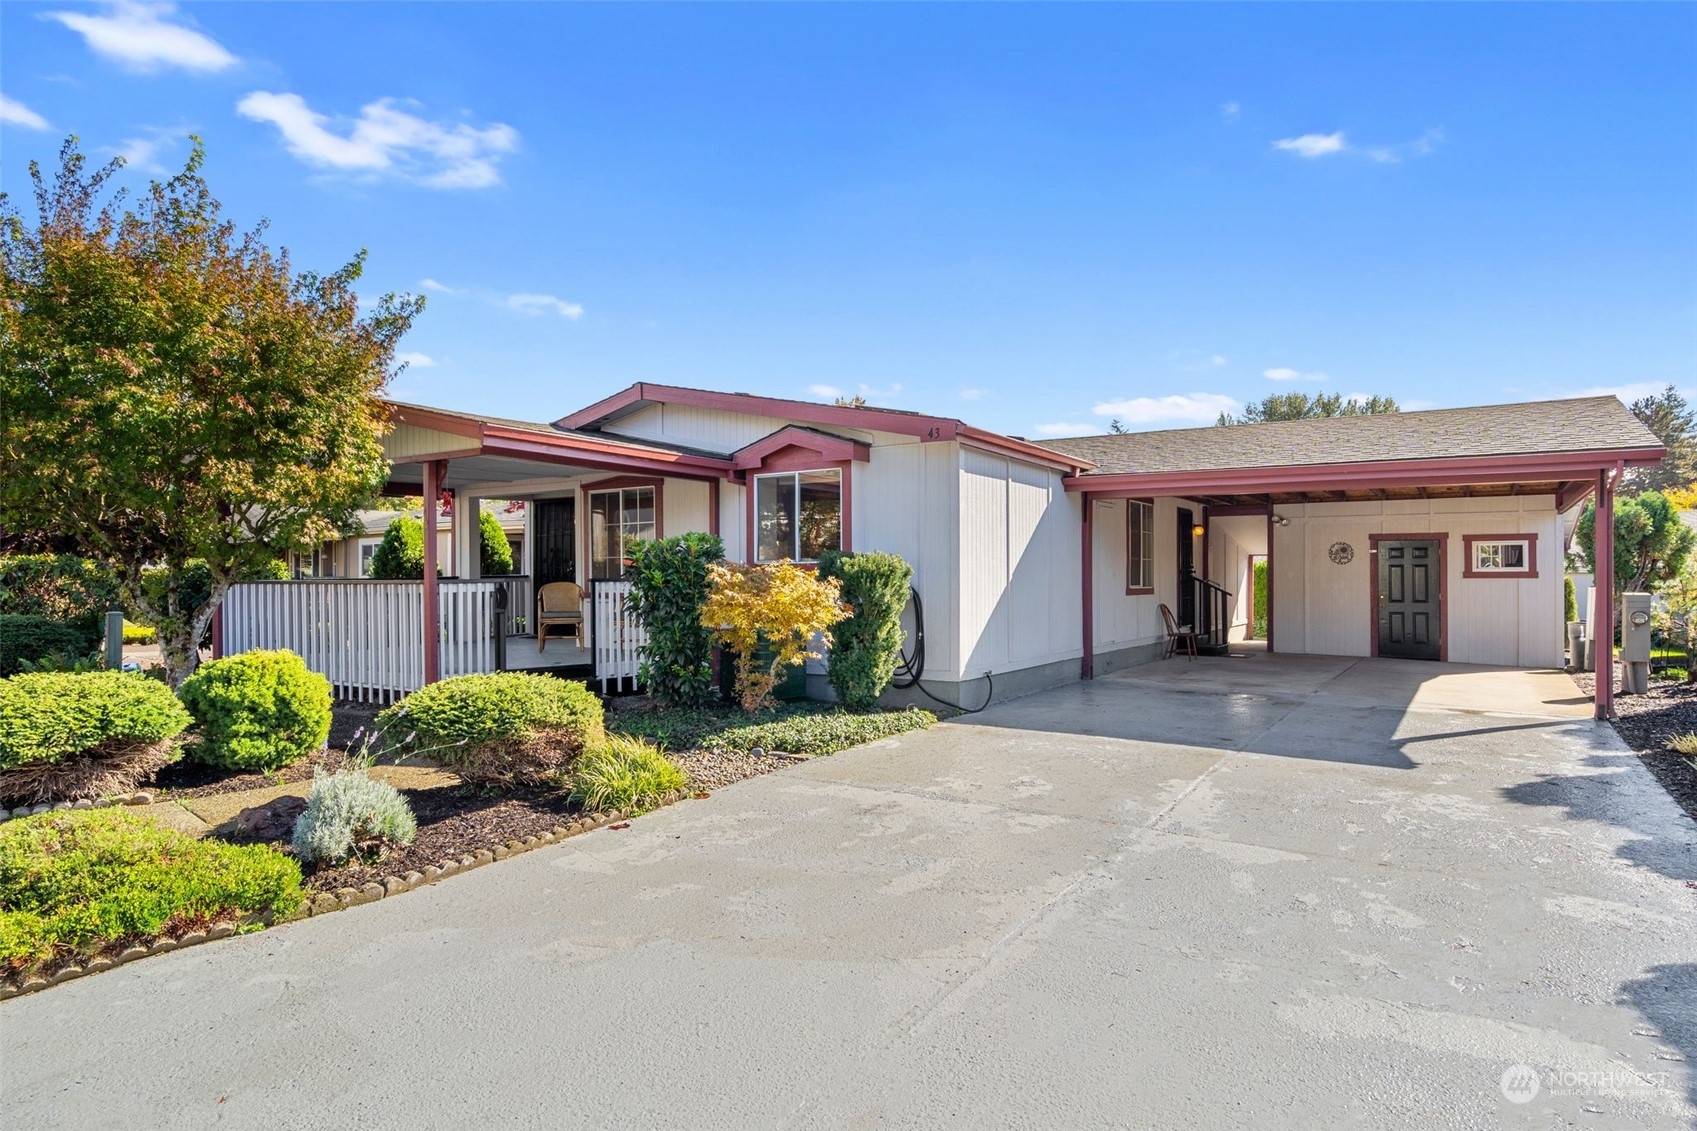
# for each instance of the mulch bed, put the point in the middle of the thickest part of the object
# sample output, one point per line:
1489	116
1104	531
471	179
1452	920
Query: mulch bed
186	779
1647	722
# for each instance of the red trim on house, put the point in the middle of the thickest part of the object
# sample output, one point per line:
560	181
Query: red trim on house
1572	494
929	429
1271	527
713	507
434	472
218	632
1442	538
831	449
1087	666
1602	618
1140	590
1344	476
1247	510
1529	573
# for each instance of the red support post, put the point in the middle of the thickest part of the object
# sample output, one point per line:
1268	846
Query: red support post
1603	618
218	632
1087	666
434	472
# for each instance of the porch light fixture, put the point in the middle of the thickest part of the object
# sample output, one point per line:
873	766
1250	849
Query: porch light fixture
1280	520
1198	530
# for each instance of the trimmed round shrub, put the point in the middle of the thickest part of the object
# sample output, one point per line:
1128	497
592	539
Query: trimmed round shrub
401	553
257	711
89	882
508	728
347	811
624	773
31	638
65	736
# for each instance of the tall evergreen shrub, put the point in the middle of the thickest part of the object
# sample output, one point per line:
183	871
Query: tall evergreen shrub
866	647
668	590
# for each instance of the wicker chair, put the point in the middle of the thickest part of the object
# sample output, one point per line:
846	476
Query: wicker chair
558	603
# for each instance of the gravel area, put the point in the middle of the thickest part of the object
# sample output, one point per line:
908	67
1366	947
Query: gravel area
713	769
1647	722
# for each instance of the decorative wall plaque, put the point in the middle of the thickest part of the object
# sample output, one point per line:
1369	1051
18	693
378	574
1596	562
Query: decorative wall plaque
1341	552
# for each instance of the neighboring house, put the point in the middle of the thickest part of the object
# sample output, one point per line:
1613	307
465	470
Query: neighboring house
351	556
1421	534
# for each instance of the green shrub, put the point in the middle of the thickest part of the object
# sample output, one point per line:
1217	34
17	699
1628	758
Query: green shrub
348	810
624	773
494	552
501	729
52	717
139	633
801	728
62	662
668	589
1569	604
257	710
195	589
30	637
76	883
1683	743
62	587
866	647
400	556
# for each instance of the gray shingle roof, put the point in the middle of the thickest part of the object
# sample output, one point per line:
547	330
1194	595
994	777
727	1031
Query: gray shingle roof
1537	427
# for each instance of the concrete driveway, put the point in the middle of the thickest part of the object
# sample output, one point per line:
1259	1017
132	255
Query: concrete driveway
1279	892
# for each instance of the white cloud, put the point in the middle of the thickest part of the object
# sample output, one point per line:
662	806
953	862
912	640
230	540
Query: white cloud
543	304
1636	390
16	113
1217	359
1180	408
1419	147
1313	145
439	288
1059	430
874	396
829	392
144	153
1285	373
141	37
386	139
1230	111
416	360
972	394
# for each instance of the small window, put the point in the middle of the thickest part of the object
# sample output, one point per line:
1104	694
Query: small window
1139	546
1494	555
367	551
798	515
617	518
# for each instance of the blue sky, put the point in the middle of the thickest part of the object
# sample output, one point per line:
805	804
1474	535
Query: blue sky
1038	218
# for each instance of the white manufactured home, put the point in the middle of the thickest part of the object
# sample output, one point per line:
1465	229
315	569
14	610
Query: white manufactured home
1428	535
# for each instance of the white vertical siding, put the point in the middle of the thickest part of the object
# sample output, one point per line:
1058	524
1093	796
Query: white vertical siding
1323	608
1020	603
686	507
712	429
905	501
1123	621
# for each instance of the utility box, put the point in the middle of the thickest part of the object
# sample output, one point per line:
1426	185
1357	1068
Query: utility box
1635	642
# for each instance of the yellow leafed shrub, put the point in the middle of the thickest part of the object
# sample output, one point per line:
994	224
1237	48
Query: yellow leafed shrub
775	609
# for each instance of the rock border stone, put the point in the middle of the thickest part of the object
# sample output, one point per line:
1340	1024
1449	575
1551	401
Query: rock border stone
319	903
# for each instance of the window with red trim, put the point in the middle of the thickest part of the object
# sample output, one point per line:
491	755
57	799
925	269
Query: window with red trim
798	515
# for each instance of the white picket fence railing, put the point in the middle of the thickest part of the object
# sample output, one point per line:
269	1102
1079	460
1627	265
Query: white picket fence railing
616	636
366	637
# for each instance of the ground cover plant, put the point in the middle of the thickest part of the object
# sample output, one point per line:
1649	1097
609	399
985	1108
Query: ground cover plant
79	883
65	736
807	728
257	710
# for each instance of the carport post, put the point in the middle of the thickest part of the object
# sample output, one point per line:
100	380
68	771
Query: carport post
1087	666
434	472
1603	578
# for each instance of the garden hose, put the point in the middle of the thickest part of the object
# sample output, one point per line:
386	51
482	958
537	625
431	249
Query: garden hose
912	666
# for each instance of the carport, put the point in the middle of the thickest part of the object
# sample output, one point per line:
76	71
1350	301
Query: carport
1436	536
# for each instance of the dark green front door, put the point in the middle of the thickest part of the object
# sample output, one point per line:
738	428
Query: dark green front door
1410	581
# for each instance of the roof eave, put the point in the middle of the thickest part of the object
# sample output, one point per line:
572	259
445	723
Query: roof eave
1431	472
